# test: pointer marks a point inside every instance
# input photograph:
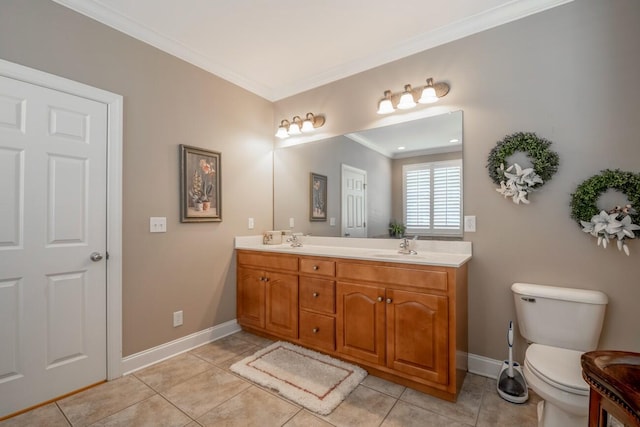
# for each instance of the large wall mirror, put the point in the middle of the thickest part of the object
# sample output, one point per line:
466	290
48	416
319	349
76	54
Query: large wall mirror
368	175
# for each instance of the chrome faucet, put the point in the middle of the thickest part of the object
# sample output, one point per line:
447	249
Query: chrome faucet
295	242
405	247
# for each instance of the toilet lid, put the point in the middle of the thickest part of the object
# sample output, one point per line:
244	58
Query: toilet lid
559	367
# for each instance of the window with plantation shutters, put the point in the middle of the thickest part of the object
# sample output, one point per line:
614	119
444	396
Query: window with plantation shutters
433	198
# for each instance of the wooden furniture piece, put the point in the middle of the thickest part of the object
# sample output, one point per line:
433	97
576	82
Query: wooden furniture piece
614	379
403	322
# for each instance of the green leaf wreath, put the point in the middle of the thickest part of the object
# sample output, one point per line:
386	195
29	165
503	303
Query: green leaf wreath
619	222
519	184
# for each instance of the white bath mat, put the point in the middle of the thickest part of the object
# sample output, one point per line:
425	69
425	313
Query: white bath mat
313	380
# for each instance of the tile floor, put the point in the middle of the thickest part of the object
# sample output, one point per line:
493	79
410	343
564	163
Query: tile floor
198	389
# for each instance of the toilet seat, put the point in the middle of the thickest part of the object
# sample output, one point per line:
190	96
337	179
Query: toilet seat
558	367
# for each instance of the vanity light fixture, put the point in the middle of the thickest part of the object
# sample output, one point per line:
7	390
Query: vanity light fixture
298	126
407	99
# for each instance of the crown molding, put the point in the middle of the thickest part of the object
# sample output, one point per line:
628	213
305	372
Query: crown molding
491	18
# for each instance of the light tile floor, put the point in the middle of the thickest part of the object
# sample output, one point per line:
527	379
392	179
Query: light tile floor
198	389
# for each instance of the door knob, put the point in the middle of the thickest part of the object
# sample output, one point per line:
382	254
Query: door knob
95	256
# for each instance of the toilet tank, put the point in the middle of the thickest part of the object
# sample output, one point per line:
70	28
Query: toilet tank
559	317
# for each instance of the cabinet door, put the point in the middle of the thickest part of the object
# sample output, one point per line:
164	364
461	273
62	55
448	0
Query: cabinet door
417	334
360	321
282	304
250	297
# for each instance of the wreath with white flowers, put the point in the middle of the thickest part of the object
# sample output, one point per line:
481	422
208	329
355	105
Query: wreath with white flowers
514	181
620	223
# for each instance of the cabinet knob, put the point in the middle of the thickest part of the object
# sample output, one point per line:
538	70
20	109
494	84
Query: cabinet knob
315	267
315	295
380	299
389	300
261	279
315	330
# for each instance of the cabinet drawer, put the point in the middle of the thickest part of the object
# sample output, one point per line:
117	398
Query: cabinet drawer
318	295
320	267
271	261
427	279
317	330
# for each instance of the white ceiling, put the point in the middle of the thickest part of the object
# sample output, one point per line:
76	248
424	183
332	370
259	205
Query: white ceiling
278	48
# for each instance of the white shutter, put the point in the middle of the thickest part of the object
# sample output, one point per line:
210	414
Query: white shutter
417	197
433	198
446	197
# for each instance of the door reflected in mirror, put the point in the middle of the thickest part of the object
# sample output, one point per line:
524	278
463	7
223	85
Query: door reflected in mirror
408	173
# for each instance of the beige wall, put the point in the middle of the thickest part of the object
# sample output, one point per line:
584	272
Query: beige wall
166	102
569	74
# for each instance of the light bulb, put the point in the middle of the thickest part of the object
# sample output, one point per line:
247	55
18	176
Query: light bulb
406	100
282	129
385	106
294	127
307	124
428	95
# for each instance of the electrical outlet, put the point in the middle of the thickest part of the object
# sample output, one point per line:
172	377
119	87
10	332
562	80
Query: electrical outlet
177	318
470	223
251	224
332	222
158	224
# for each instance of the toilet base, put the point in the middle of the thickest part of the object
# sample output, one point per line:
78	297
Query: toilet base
549	415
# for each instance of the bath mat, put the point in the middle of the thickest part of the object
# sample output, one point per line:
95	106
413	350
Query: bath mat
313	380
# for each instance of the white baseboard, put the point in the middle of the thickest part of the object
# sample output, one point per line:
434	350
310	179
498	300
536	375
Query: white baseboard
479	365
165	351
484	366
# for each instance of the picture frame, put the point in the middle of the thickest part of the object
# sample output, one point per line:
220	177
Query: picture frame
200	185
318	197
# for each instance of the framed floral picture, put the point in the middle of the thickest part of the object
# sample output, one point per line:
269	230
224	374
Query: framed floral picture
318	202
200	190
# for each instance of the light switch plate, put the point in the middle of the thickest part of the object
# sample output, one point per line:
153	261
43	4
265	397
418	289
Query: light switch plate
332	222
470	223
292	223
251	224
158	224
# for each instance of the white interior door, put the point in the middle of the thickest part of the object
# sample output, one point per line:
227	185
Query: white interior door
354	202
52	218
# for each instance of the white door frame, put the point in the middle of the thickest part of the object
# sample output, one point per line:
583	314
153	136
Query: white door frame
114	193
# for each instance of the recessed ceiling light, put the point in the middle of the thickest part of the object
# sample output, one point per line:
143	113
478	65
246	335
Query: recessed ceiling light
454	140
401	148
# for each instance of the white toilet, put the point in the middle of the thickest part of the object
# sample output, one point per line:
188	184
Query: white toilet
560	324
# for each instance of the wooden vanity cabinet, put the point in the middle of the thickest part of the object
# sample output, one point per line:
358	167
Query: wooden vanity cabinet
267	293
403	322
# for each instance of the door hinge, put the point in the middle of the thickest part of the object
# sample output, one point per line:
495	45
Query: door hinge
364	224
107	254
364	186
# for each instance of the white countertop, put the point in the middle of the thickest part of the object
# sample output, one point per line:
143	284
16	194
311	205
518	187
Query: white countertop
429	252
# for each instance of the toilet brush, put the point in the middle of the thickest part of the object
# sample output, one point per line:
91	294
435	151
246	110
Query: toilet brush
511	384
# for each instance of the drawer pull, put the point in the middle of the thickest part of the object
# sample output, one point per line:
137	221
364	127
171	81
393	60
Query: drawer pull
315	268
315	330
389	300
315	295
380	299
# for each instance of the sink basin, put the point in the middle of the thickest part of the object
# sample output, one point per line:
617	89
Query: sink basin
398	256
